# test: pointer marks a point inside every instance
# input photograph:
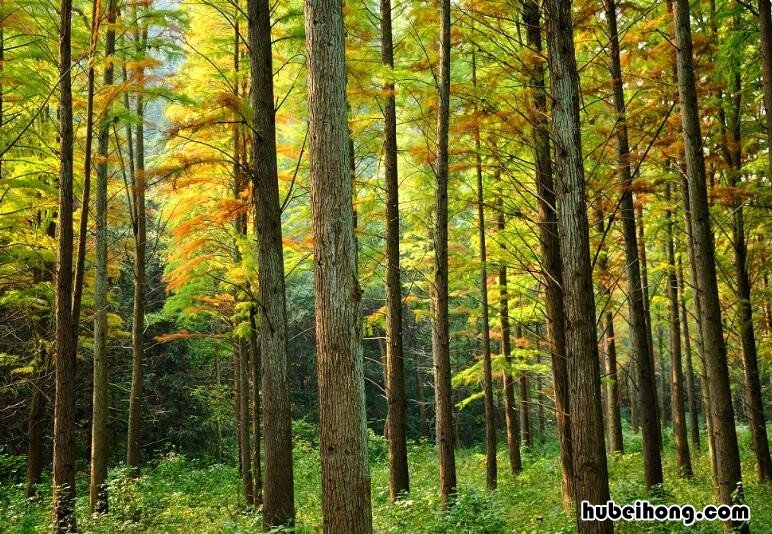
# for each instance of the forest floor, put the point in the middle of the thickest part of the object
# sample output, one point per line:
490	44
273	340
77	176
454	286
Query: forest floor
182	495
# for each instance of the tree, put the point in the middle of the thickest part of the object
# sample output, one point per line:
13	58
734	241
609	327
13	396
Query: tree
64	404
342	430
589	454
765	35
100	402
676	374
726	449
550	247
278	505
490	421
647	391
440	327
399	479
139	232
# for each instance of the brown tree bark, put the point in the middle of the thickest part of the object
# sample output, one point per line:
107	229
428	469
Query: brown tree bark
243	424
613	396
343	435
257	369
694	426
139	228
80	258
510	408
440	326
634	397
589	453
683	460
636	288
753	395
550	248
98	499
727	451
399	479
64	403
526	437
278	503
490	411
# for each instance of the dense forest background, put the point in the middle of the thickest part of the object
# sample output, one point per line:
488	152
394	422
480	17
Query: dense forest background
506	256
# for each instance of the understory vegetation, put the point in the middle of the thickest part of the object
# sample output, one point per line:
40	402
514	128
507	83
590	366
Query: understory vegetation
186	495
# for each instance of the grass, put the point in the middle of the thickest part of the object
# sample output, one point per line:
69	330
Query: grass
182	495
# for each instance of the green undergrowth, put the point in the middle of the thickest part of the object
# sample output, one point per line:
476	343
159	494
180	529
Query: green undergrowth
177	494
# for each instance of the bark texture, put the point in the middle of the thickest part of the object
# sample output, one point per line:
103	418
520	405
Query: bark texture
589	453
100	400
278	497
399	479
647	391
726	448
440	326
343	435
549	242
64	403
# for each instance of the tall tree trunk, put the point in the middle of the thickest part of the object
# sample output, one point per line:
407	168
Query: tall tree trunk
540	400
490	410
343	435
525	403
80	259
683	459
440	330
36	425
550	248
589	452
641	341
245	450
399	479
613	397
510	408
140	239
694	427
257	369
98	502
278	505
64	404
727	451
704	379
753	394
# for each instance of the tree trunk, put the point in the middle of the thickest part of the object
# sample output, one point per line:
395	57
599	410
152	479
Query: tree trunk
634	397
342	428
257	369
727	451
694	427
641	341
278	505
399	479
140	239
683	459
440	330
704	379
35	427
613	397
550	248
490	411
98	502
510	408
589	453
245	449
80	259
64	404
525	403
